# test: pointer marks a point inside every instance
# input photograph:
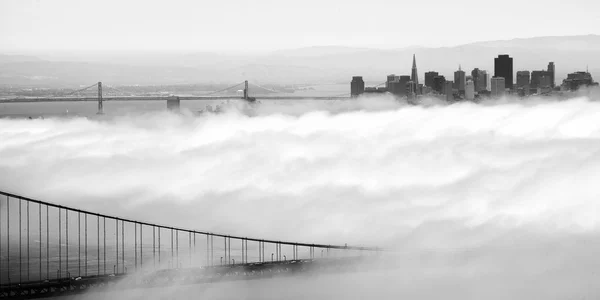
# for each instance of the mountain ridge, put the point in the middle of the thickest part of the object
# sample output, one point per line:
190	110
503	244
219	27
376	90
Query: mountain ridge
304	65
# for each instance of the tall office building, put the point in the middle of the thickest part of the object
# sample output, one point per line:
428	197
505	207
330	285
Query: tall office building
357	86
397	89
390	78
411	89
498	86
400	86
523	78
480	79
541	79
576	80
459	80
414	76
439	84
485	78
552	71
503	67
429	78
475	75
404	79
449	91
470	90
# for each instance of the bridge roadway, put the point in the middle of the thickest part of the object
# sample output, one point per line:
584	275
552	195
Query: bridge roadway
170	277
161	98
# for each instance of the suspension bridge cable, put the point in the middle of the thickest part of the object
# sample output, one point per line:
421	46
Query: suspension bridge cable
211	93
81	90
340	95
117	90
264	88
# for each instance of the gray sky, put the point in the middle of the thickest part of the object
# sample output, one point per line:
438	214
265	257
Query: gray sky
242	25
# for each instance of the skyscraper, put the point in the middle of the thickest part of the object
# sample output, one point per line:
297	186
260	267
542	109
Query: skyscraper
541	79
484	81
523	79
414	76
498	86
503	67
449	91
459	80
357	86
429	76
480	79
552	71
577	80
404	79
390	78
470	90
439	84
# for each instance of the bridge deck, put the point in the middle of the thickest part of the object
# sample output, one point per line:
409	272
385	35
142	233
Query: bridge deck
161	98
169	277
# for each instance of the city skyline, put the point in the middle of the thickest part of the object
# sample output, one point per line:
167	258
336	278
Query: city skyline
465	87
307	65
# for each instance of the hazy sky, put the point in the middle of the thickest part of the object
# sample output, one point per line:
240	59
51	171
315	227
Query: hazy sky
278	24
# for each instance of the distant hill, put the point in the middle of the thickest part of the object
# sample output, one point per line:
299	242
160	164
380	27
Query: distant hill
305	65
588	42
8	58
318	51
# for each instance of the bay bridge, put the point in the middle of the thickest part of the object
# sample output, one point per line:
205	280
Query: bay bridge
48	250
173	102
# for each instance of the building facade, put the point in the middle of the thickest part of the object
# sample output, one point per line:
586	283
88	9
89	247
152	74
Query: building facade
552	72
485	78
469	90
523	78
541	79
449	91
480	79
357	86
459	80
576	80
503	67
429	78
439	84
390	78
498	87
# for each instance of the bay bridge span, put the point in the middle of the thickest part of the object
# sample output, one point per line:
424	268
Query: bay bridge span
48	250
173	101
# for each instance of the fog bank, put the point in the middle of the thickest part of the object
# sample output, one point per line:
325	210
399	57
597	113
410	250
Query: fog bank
487	200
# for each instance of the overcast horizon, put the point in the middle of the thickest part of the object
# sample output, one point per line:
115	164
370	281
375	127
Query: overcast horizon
69	25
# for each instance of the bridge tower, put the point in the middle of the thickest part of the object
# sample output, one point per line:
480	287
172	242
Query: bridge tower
173	103
247	93
100	107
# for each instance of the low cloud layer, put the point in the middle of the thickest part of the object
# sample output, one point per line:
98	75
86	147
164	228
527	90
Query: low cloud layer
475	197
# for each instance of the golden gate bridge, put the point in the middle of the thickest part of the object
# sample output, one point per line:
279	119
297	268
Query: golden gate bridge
50	250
